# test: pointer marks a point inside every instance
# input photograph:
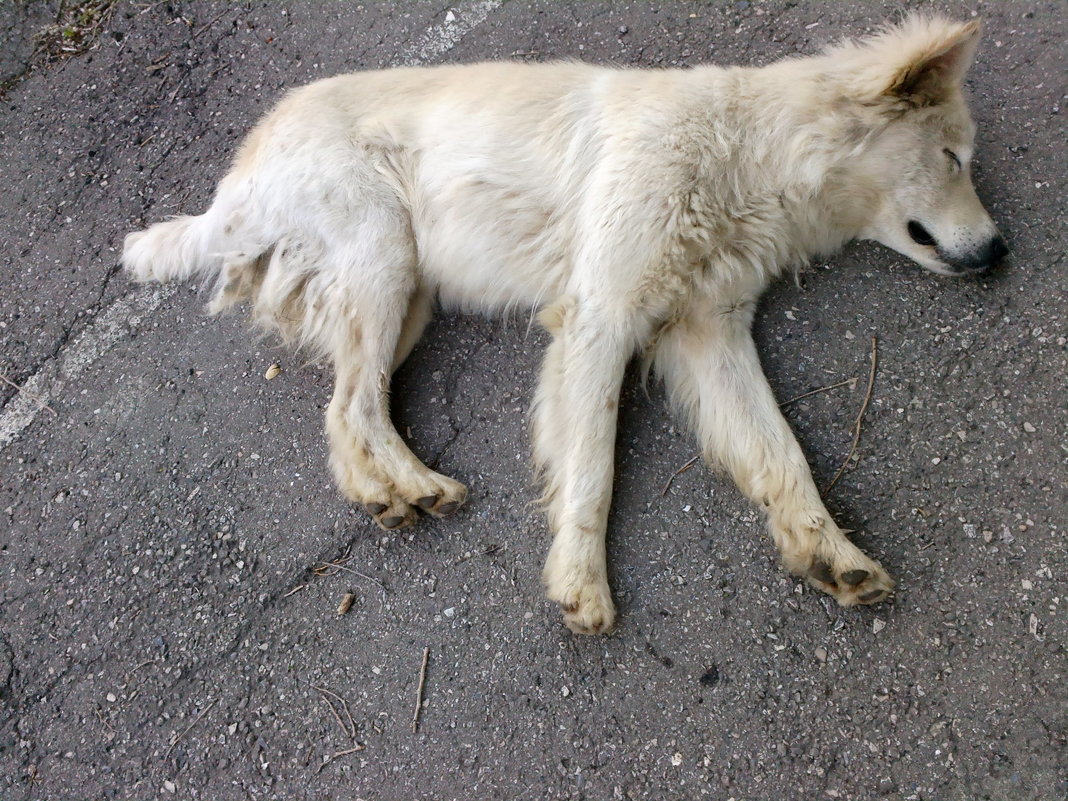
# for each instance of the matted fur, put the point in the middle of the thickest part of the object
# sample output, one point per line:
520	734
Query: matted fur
639	210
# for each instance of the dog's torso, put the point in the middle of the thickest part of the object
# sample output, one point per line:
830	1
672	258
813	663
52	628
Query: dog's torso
516	179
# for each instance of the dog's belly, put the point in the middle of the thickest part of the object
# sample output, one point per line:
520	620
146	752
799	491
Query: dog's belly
492	247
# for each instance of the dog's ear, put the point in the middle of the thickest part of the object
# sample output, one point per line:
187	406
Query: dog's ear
919	62
937	66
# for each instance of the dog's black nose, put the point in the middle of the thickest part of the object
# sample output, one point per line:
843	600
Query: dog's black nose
998	249
990	254
984	257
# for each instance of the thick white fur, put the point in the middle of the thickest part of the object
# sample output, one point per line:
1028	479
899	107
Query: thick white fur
640	211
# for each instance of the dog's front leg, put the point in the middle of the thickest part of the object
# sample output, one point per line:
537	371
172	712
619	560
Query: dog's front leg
714	377
574	430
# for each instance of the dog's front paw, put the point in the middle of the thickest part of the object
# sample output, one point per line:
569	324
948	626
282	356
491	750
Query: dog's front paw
588	608
852	579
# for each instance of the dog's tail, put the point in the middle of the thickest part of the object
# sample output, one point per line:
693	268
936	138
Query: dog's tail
186	246
173	250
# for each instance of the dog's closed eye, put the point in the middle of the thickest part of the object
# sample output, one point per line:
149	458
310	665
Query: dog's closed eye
920	235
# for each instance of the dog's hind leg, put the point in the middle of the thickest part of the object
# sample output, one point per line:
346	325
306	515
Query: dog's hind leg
713	375
420	312
371	463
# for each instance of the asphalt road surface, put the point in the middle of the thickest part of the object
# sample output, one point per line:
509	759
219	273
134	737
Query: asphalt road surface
172	551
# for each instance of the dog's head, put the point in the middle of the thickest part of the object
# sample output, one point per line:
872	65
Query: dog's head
905	88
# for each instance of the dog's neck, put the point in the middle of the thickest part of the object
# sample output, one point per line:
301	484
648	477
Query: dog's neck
787	188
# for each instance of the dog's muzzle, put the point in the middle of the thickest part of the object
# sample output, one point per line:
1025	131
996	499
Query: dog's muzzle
981	258
985	257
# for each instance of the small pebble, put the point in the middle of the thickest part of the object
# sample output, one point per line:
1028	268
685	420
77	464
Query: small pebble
821	654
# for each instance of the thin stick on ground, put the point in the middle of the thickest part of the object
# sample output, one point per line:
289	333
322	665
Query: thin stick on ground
337	754
827	388
350	729
860	416
419	691
104	722
207	25
200	717
29	395
679	472
325	568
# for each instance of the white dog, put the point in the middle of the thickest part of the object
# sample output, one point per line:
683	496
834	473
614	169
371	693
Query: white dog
641	211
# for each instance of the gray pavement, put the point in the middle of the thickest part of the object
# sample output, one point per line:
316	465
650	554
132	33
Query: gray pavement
164	629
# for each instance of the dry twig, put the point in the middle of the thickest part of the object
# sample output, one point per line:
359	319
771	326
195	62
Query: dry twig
487	551
860	416
103	721
325	568
419	691
200	717
337	754
29	395
679	472
350	729
852	381
207	25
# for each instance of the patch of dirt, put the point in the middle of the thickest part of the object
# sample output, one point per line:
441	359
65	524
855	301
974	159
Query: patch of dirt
33	34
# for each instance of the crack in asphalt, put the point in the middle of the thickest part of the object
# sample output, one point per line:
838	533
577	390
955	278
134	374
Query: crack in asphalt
76	349
433	43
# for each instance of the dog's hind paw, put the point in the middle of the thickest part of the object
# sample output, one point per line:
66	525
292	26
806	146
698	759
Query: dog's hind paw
395	502
856	581
391	516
